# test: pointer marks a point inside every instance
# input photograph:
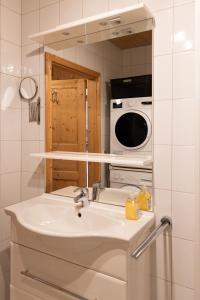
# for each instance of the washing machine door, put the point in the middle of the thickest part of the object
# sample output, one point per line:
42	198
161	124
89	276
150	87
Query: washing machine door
133	129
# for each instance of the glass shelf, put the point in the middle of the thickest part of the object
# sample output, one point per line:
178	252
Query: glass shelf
121	160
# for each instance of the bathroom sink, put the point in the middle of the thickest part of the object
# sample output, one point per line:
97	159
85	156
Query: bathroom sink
56	216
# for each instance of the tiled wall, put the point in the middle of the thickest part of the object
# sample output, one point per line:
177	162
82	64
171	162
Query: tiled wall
137	61
175	125
175	138
10	126
174	148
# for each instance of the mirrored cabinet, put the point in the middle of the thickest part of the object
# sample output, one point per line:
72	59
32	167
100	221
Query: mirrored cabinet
99	108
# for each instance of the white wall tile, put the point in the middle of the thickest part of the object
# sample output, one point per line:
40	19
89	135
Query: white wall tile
47	2
30	131
180	2
154	5
163	122
184	122
183	293
183	212
163	32
183	262
184	28
163	203
70	10
184	75
163	77
162	167
10	156
49	17
30	164
30	60
183	169
30	25
10	188
161	289
30	5
94	7
10	26
11	124
10	58
30	185
113	4
13	4
10	92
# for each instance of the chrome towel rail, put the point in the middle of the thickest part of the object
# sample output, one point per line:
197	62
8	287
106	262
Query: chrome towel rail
165	222
53	285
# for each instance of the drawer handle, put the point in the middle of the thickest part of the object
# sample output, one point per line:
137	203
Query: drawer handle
53	285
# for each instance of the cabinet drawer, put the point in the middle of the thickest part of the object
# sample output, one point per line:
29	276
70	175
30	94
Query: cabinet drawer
17	294
48	277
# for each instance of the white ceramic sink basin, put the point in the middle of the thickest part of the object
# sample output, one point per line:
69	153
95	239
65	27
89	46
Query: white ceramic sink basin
53	215
62	218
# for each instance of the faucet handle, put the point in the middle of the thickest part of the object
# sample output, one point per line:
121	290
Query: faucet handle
98	185
84	191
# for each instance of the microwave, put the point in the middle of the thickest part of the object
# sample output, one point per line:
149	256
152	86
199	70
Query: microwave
131	87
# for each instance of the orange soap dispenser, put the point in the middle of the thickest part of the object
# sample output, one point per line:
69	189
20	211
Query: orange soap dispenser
144	199
132	208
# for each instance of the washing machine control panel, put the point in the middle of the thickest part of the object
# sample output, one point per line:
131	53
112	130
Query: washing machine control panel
131	177
137	103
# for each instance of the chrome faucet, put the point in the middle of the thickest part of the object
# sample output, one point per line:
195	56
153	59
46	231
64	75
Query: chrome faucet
97	188
82	200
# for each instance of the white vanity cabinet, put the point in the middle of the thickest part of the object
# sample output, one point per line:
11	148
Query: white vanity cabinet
40	276
43	275
47	267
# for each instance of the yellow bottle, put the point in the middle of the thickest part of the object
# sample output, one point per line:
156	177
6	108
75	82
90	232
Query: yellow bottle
144	199
131	208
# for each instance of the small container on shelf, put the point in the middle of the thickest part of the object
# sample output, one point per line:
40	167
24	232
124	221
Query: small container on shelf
144	199
132	208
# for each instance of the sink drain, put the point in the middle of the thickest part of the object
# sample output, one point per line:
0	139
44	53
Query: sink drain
79	215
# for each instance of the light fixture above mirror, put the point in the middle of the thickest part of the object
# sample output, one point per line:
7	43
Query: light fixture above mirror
134	19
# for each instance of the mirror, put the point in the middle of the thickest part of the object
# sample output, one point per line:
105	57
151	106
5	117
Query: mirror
100	100
28	88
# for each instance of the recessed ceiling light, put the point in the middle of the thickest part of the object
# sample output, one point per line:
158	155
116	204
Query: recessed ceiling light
65	33
115	33
103	23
